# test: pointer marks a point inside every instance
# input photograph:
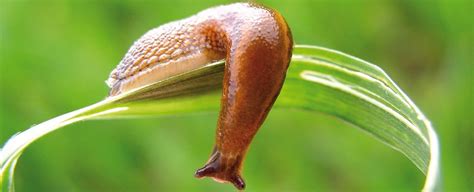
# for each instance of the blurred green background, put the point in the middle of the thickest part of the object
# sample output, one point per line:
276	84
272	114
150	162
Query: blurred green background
55	56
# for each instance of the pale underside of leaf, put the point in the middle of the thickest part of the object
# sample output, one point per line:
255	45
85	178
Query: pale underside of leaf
319	79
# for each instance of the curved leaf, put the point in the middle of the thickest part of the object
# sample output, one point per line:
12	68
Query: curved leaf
318	79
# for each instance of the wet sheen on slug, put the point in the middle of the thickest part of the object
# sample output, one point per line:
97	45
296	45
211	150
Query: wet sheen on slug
256	44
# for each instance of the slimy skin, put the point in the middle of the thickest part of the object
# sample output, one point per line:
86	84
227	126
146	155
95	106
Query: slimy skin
256	44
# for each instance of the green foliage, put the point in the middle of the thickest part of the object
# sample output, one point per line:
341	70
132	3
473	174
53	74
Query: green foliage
319	80
55	56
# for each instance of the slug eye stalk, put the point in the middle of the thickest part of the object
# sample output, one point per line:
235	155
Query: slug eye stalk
256	44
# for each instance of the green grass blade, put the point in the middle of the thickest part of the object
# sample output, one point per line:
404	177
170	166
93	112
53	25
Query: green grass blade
319	80
404	105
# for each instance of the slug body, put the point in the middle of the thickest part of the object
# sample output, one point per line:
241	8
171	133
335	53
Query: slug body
256	44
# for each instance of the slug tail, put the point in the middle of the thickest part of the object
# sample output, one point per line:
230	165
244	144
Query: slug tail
224	169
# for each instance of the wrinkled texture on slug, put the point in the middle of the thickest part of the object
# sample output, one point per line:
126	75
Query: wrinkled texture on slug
255	42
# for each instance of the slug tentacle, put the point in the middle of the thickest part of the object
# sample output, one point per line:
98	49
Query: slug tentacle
255	42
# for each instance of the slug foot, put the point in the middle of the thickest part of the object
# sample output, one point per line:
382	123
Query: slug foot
223	169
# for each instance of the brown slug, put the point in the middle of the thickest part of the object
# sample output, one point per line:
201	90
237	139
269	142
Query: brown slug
256	44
